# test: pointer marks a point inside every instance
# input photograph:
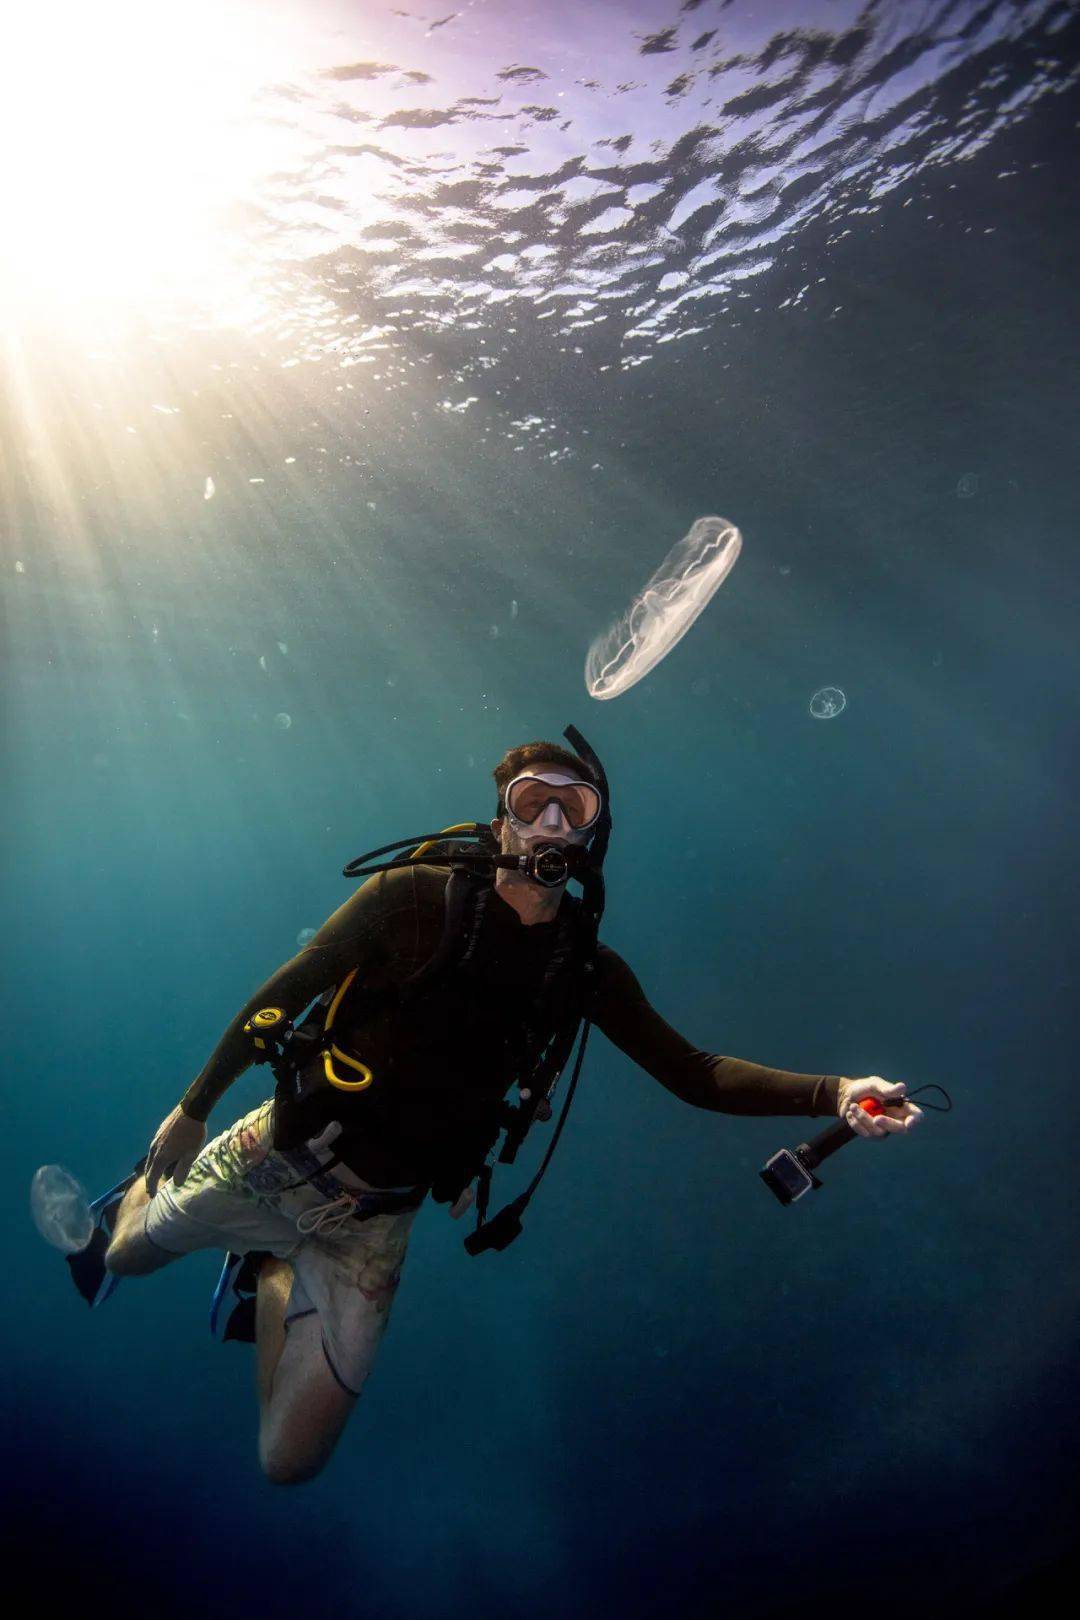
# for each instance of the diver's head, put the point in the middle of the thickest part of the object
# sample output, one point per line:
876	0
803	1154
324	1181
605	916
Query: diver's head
547	795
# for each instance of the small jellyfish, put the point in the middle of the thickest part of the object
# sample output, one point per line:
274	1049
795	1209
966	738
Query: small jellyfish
305	936
967	486
61	1209
208	490
827	703
262	663
663	612
494	632
20	567
283	649
700	687
513	609
283	721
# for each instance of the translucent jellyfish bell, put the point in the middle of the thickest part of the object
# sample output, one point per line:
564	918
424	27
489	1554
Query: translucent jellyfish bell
827	703
61	1209
663	612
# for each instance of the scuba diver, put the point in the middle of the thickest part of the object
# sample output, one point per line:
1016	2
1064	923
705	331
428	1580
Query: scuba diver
457	971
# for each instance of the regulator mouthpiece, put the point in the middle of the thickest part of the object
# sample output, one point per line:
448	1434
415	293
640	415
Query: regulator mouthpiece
549	864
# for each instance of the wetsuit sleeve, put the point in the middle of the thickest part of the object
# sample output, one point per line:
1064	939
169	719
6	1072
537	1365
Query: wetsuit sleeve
371	926
726	1085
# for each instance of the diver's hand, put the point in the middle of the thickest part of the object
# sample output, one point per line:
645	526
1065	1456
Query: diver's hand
174	1149
902	1115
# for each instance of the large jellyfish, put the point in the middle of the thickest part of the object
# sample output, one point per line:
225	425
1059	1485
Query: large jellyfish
61	1209
664	611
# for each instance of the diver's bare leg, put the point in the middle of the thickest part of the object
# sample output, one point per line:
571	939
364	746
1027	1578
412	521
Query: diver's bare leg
130	1253
271	1300
302	1407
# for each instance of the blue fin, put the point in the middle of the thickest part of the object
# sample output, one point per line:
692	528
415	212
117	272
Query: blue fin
240	1279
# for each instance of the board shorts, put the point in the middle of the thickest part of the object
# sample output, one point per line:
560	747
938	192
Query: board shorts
241	1195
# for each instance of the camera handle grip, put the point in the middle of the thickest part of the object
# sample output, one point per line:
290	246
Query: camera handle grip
833	1137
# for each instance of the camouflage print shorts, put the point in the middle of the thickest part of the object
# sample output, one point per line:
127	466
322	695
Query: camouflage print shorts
242	1194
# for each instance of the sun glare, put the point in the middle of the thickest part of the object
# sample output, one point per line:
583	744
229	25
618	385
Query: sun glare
134	157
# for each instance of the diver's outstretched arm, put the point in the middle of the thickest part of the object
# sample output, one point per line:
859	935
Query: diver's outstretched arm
726	1085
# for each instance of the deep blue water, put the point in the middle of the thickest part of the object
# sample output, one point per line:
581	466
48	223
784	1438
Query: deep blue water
670	1395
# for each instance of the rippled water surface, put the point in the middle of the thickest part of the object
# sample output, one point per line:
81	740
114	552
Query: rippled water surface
360	364
374	186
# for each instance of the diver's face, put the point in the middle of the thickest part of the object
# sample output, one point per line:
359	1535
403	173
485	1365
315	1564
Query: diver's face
550	827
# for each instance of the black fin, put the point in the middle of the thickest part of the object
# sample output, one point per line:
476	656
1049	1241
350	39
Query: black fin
87	1267
240	1279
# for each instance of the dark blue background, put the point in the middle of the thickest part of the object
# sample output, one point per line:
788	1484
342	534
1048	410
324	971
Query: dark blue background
670	1395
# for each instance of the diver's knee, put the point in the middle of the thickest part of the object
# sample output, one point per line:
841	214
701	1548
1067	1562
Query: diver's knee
281	1468
133	1260
118	1261
291	1456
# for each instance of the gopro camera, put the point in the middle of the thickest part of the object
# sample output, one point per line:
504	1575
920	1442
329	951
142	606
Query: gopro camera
787	1176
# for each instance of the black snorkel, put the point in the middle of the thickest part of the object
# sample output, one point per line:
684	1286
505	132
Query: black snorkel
592	875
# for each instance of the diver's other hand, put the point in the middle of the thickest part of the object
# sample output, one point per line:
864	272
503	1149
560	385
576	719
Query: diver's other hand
175	1148
902	1115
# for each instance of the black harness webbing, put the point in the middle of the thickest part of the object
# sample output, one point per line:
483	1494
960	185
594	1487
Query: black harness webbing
503	1228
467	895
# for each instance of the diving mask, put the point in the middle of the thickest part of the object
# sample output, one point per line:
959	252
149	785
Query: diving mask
529	800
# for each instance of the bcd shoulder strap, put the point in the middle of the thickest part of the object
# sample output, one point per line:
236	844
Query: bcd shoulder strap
467	897
466	901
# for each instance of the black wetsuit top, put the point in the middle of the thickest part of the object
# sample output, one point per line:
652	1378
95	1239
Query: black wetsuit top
441	1069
